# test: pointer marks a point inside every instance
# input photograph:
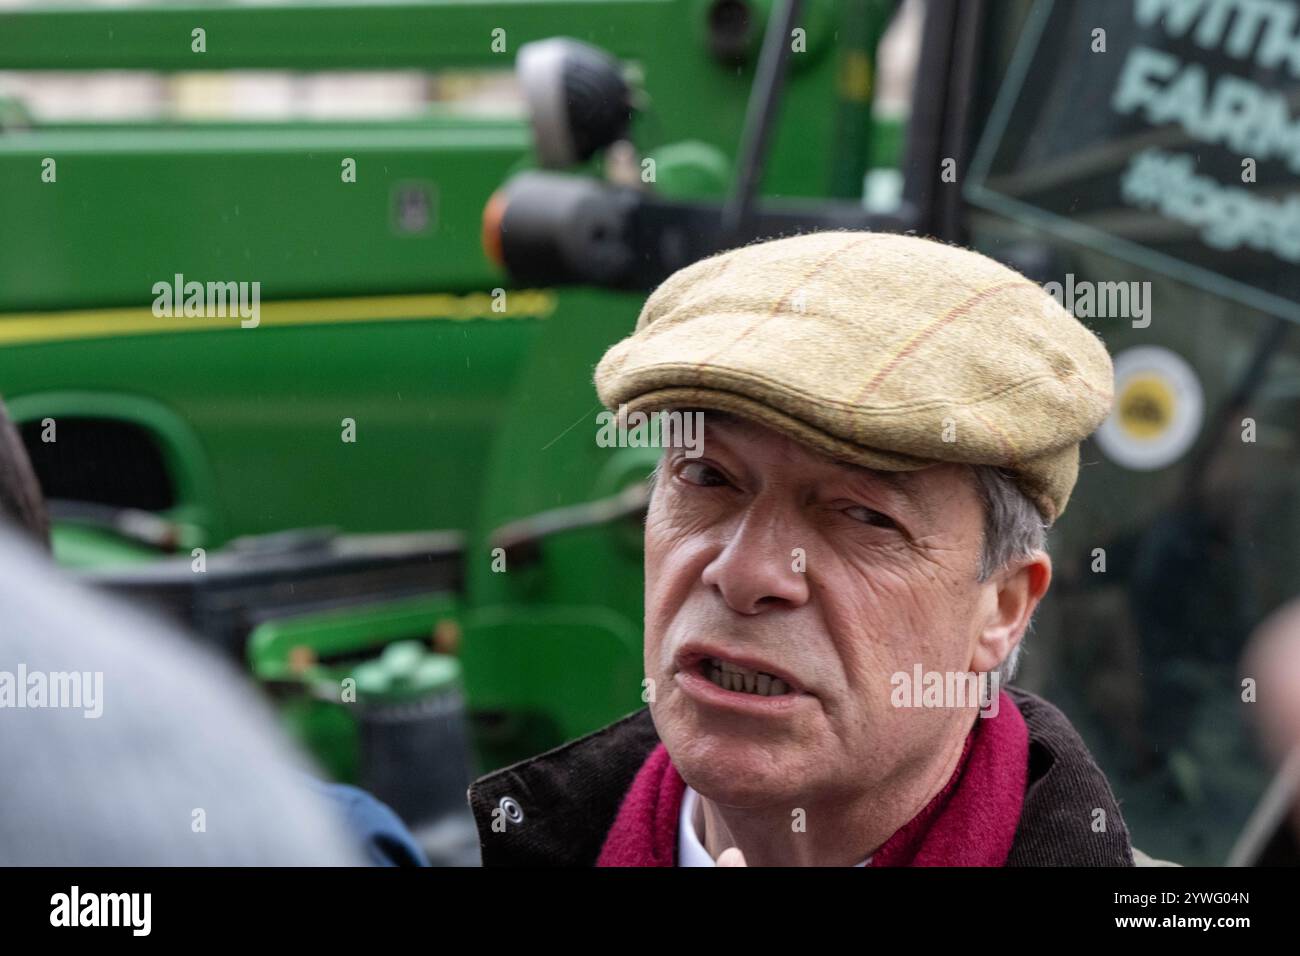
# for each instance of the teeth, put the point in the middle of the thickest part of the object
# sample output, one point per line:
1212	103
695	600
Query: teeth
731	677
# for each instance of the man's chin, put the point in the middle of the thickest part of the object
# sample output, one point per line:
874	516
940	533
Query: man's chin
736	770
736	787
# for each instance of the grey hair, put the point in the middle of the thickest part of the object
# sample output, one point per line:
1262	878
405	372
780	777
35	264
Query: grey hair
1013	528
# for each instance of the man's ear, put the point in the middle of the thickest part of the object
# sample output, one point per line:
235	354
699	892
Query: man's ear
1010	598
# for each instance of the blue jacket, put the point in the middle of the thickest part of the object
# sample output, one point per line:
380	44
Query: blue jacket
378	831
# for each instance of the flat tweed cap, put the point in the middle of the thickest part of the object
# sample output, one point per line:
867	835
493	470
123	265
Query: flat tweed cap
888	351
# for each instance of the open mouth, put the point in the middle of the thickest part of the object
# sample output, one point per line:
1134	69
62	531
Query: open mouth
742	680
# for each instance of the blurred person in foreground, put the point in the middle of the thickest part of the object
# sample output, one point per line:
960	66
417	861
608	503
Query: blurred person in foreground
126	744
890	424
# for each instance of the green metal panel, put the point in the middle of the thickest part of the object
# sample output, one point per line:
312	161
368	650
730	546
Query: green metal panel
267	405
553	674
133	207
320	35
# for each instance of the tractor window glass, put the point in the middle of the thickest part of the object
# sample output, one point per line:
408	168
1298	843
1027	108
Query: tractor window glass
1110	168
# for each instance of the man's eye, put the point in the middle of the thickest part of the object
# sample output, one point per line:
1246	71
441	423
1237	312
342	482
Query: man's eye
870	516
698	473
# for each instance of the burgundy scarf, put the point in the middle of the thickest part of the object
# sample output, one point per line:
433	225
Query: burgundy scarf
970	822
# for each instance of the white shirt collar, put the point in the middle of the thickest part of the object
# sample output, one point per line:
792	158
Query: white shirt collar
690	851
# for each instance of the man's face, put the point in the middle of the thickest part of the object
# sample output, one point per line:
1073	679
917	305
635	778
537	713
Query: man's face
889	567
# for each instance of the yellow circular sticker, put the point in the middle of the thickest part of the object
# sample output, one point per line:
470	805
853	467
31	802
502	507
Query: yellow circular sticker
1158	409
1145	407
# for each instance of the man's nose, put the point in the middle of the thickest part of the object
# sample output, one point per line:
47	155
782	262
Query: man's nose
756	569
